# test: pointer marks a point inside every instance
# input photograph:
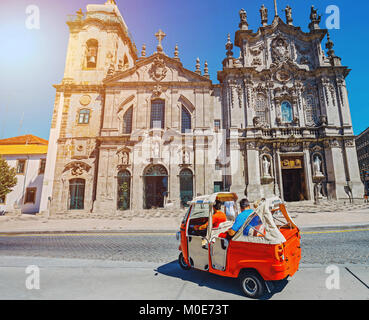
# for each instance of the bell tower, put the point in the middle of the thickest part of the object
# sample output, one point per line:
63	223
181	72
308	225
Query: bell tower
99	42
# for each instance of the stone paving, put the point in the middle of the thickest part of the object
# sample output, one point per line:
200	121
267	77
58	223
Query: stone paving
305	214
322	248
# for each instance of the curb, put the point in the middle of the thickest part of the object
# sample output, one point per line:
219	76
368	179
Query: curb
302	229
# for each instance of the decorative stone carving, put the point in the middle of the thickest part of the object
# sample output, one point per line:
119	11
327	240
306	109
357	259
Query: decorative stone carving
257	51
85	100
158	70
280	50
349	143
283	75
256	62
77	168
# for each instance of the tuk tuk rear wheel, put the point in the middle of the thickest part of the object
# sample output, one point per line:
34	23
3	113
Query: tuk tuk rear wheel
252	284
183	263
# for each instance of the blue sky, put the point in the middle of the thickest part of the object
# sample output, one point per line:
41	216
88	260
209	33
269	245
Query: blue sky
31	61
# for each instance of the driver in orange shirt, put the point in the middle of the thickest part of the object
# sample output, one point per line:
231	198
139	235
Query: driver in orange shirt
218	217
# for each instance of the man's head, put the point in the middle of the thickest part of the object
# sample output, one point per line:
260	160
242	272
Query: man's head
217	205
244	204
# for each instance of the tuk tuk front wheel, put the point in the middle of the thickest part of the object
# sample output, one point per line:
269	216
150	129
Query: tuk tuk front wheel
252	284
183	263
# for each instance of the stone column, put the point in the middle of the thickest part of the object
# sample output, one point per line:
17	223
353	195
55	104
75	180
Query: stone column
308	173
47	188
253	163
237	165
335	170
105	197
353	169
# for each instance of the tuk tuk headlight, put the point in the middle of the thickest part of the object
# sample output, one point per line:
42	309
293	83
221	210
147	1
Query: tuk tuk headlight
178	236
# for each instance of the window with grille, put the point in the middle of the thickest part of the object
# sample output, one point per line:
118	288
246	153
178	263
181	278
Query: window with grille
186	120
127	121
21	166
216	125
42	166
260	108
311	110
84	116
157	114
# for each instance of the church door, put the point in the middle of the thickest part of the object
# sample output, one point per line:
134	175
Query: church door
186	186
124	190
293	177
155	186
76	194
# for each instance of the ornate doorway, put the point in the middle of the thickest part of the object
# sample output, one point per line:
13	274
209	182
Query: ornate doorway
76	194
155	186
124	190
293	177
186	186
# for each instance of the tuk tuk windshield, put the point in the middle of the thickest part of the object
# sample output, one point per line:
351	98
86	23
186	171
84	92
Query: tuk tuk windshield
199	215
200	210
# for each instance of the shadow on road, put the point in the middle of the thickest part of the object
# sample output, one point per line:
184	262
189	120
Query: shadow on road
213	281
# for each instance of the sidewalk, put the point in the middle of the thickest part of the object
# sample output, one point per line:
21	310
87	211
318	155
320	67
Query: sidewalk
62	278
167	221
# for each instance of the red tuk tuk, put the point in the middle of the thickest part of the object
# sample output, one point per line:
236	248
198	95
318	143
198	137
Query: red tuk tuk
270	251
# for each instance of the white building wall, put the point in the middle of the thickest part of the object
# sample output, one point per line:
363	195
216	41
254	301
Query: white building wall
30	179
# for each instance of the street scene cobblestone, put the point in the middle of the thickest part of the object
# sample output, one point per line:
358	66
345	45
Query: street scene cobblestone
317	248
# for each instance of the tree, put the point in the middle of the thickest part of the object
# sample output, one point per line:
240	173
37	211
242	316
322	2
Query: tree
8	178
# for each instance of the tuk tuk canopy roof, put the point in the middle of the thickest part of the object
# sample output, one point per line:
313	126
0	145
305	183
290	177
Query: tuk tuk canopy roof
210	199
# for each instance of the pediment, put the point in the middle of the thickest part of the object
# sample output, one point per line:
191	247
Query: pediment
157	68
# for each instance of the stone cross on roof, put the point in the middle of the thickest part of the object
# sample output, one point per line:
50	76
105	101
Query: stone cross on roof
160	35
275	8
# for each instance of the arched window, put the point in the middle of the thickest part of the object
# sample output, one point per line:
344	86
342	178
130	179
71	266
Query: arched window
287	114
186	120
76	194
127	121
84	116
91	54
157	114
124	190
260	108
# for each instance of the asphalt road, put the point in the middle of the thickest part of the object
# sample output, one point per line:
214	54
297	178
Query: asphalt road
325	247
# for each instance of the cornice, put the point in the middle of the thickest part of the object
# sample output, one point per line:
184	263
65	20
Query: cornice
145	61
278	24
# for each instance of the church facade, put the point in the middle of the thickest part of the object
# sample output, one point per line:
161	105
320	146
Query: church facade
141	132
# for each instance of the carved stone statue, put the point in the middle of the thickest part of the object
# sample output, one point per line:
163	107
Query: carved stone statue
186	157
315	19
155	150
243	17
264	15
317	166
266	166
288	12
125	158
